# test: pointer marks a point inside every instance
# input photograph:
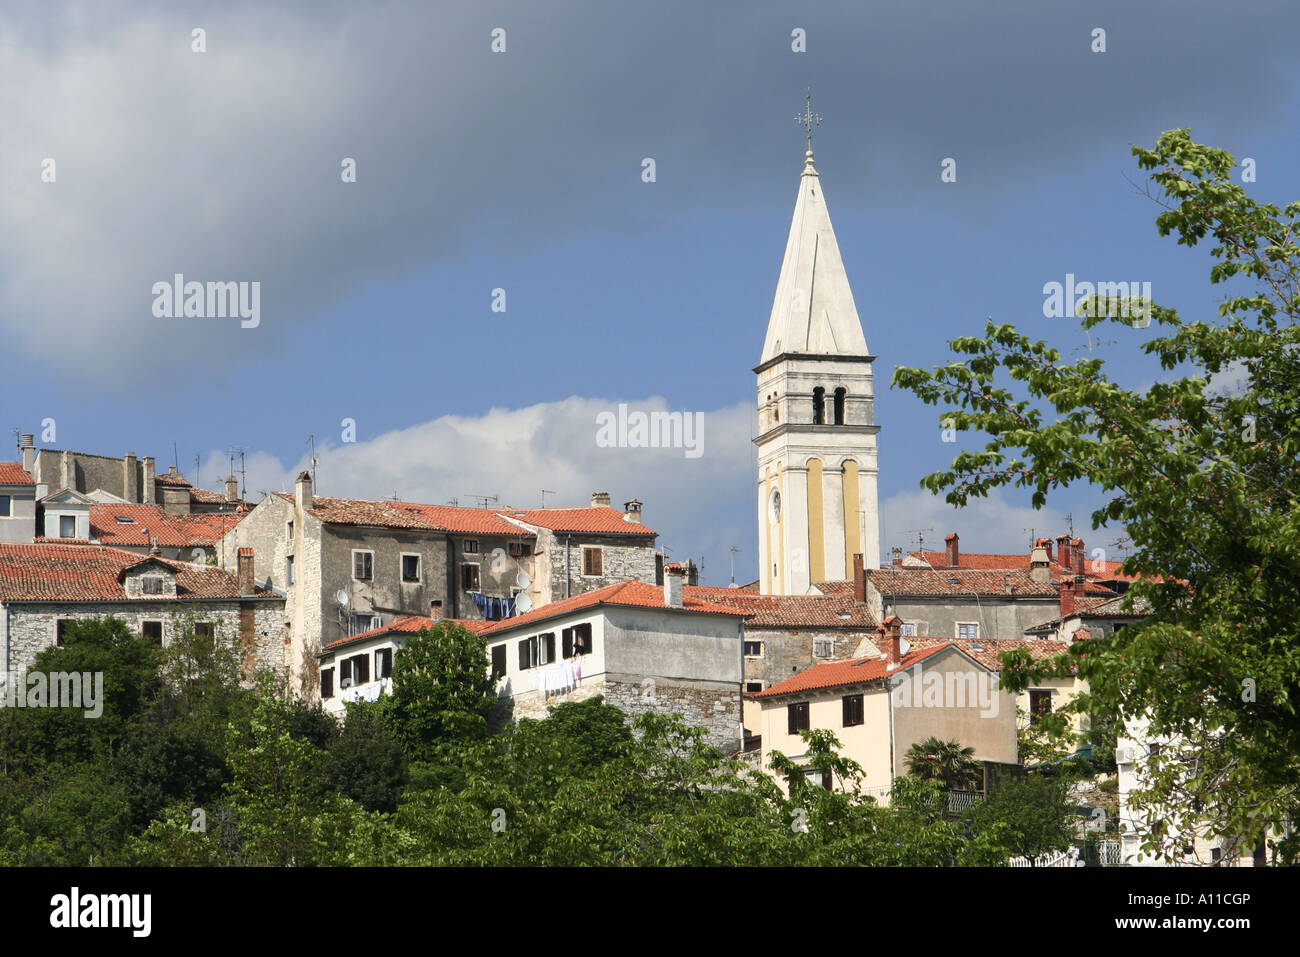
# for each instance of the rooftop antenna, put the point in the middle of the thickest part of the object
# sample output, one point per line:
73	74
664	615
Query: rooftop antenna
311	440
1069	518
176	456
484	499
546	492
734	549
18	443
243	474
197	482
920	537
1033	540
454	501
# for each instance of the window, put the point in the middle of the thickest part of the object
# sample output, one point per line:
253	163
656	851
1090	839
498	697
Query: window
819	777
152	585
288	569
410	568
1154	749
819	405
471	547
384	663
968	630
1040	703
753	649
908	630
839	405
536	651
288	531
498	661
527	648
359	624
203	629
852	710
469	576
576	641
593	562
363	566
327	682
6	506
520	548
546	648
124	519
152	630
823	648
797	717
354	671
61	630
752	686
67	526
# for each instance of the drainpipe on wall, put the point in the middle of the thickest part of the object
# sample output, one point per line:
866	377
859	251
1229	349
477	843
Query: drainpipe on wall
453	580
567	573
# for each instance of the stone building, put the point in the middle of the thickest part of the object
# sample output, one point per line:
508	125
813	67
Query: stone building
43	587
817	465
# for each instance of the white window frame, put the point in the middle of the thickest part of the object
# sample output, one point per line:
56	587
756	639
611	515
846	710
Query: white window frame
470	546
829	647
908	629
957	626
69	518
419	568
363	551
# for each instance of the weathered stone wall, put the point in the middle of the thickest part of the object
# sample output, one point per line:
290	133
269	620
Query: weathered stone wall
787	652
498	572
622	559
259	630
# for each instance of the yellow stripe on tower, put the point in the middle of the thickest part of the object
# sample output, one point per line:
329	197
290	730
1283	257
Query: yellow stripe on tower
816	523
852	520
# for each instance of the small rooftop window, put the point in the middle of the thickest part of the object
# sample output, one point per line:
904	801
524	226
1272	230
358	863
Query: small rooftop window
125	519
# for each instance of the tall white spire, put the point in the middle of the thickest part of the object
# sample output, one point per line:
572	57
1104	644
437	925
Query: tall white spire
813	312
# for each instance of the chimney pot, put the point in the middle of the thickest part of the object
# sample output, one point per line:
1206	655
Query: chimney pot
302	492
29	452
632	512
435	609
244	570
599	499
673	574
951	544
859	579
232	489
1067	597
1076	553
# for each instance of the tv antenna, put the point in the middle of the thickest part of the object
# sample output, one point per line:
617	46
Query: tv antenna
454	501
484	499
546	492
311	440
734	549
920	537
1033	540
243	474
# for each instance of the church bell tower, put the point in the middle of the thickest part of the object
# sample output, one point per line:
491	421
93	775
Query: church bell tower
817	501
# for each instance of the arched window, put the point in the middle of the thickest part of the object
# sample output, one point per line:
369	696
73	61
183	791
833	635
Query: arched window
819	402
839	405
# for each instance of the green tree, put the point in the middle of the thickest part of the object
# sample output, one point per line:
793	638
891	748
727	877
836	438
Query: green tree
366	761
1203	480
945	761
441	688
1029	816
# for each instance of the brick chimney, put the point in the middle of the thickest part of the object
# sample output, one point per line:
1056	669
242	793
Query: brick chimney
859	579
29	453
891	630
302	497
1046	545
1067	597
130	478
950	542
1039	563
244	571
673	573
1063	551
632	512
1076	554
232	489
435	609
600	499
150	496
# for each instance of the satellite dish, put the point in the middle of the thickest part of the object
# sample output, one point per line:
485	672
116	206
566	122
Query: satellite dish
342	596
522	580
523	603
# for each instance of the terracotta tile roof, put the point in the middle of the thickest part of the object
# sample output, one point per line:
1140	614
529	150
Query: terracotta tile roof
174	480
599	519
986	650
627	593
955	582
76	573
789	611
355	511
150	521
467	521
406	625
11	473
1098	608
995	560
851	671
208	497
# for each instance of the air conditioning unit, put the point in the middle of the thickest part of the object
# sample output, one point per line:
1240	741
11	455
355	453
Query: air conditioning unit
1123	755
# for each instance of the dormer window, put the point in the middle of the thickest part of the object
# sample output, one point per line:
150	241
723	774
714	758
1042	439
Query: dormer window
152	585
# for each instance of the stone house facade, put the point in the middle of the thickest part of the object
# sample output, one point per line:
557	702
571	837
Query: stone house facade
18	494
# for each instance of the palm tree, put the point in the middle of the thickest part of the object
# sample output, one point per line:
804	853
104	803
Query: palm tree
945	761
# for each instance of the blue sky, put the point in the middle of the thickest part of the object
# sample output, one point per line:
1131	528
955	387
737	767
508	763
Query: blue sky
521	170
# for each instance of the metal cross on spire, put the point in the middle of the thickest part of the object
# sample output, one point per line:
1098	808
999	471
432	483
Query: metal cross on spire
808	119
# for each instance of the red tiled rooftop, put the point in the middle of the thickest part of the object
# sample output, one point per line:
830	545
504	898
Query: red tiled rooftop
151	521
1109	570
851	671
598	519
628	593
11	473
937	582
74	573
789	611
409	625
467	521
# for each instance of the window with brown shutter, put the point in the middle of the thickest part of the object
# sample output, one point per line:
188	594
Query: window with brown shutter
526	648
852	710
1040	703
327	683
469	577
546	648
384	663
797	717
592	562
498	661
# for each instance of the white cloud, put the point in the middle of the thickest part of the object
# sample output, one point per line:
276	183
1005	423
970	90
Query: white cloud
990	524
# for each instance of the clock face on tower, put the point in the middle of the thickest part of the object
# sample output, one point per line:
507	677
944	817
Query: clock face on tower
774	506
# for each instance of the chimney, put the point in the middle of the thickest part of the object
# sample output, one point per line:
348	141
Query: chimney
68	470
951	544
232	489
632	512
150	496
130	478
302	492
244	571
435	609
1067	598
600	499
1063	551
1046	545
1076	553
691	572
153	547
891	630
859	579
1039	563
673	585
29	453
